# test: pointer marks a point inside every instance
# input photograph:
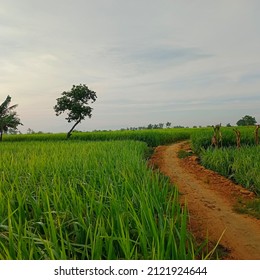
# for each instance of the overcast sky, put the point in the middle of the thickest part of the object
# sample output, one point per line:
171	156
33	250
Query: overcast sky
189	62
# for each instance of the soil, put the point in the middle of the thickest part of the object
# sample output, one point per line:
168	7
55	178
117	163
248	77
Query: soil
210	199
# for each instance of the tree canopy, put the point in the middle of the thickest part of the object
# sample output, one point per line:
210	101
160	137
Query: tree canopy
246	120
76	103
8	117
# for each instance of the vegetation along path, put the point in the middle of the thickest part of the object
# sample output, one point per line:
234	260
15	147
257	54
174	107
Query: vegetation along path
211	199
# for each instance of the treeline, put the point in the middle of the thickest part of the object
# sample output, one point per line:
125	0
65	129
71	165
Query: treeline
153	126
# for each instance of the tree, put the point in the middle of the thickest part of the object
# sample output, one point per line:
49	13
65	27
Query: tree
30	131
160	125
246	120
168	124
76	103
8	117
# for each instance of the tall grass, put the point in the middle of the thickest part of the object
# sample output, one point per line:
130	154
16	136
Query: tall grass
201	138
78	200
153	137
242	165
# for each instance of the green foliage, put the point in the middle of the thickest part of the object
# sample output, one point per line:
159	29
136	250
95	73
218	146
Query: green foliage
201	139
242	165
8	117
76	102
183	154
104	204
152	137
168	124
250	207
219	160
246	120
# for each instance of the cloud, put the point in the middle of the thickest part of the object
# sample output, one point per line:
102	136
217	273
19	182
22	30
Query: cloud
146	60
152	59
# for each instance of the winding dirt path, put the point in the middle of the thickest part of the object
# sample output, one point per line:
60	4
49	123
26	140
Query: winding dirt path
210	199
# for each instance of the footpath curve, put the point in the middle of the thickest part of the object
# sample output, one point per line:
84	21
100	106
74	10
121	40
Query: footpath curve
210	199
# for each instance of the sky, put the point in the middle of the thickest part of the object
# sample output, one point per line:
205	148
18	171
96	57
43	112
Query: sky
188	62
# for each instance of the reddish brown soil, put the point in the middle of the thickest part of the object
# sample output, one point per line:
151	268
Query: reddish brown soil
210	199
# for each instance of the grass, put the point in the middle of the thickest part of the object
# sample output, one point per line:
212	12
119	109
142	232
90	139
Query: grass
87	200
183	154
153	137
99	200
201	138
250	207
241	165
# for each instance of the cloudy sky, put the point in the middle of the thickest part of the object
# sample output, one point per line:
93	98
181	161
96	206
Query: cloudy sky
189	62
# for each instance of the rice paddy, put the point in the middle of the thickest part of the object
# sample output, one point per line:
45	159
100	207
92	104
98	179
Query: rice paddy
151	137
87	200
95	198
241	165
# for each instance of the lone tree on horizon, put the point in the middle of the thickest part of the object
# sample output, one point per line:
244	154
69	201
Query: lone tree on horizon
8	117
246	120
76	102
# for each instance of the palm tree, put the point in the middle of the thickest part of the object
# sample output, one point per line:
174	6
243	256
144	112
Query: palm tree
8	117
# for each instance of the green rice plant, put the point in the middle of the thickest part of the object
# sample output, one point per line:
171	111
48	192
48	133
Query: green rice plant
246	168
87	200
153	137
201	138
251	207
242	165
219	160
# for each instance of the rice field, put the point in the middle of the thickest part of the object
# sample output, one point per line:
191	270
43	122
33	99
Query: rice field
201	138
77	200
153	137
241	165
94	197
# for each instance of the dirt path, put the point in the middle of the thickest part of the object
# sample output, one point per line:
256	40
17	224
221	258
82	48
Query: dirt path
210	199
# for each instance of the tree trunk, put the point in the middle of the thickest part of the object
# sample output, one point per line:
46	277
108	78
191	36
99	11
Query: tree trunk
1	135
70	132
